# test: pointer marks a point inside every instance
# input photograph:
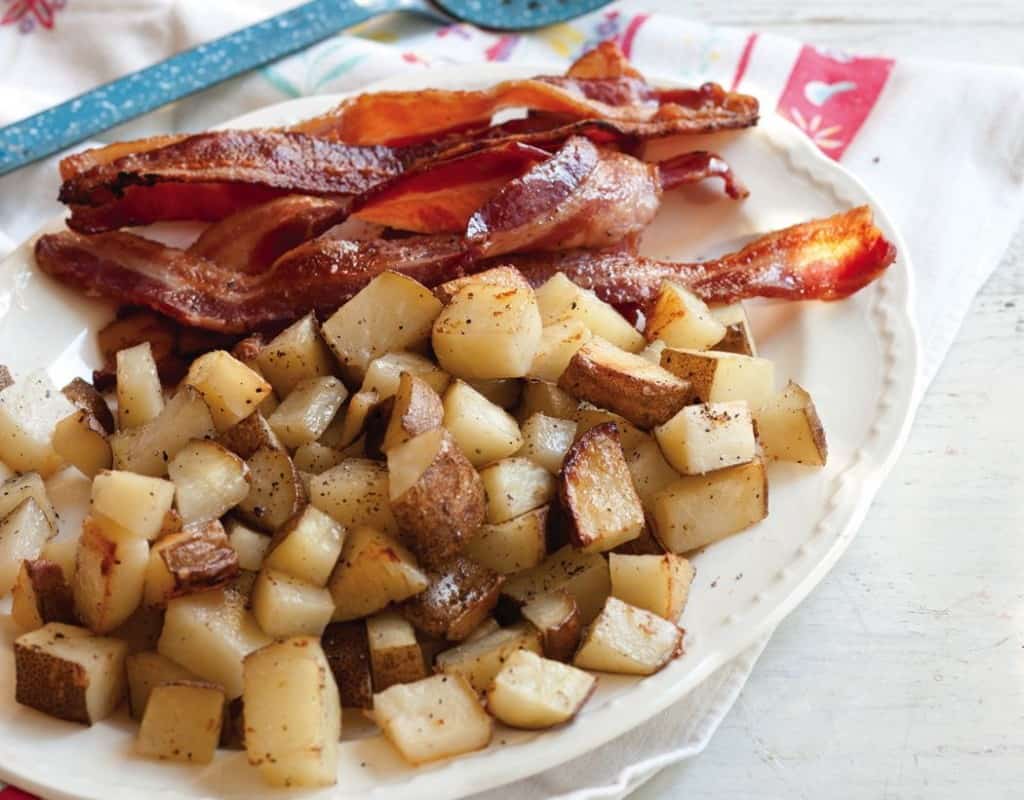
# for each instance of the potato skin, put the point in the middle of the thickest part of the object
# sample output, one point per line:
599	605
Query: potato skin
250	434
460	595
54	599
59	692
83	396
198	558
348	654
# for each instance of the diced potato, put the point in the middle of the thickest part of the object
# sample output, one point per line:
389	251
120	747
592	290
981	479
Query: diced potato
417	409
500	277
703	438
68	673
84	397
541	397
627	384
738	336
63	552
276	491
136	503
16	490
249	545
140	397
110	574
395	655
512	545
482	430
251	434
374	571
294	355
384	373
533	692
359	332
355	493
557	617
348	653
488	331
292	714
789	428
182	722
646	544
307	546
597	491
515	486
210	633
480	660
546	440
628	641
650	471
80	440
659	584
698	510
436	495
196	559
720	377
584	576
208	479
304	414
29	411
231	390
559	342
433	718
590	416
146	671
353	422
681	319
315	458
560	299
286	606
653	351
147	449
460	595
41	595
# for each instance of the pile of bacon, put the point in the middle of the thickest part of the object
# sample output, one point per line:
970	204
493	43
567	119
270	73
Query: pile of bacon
442	192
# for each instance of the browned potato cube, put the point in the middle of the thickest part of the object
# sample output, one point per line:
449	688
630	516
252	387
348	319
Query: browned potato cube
81	441
502	277
355	493
460	595
681	319
658	583
303	416
295	354
307	546
417	409
534	693
557	617
738	336
546	440
721	377
395	654
140	397
209	481
584	576
250	434
480	660
629	641
286	606
23	532
42	595
514	486
230	388
348	653
182	722
276	491
195	559
110	574
703	438
789	428
84	397
136	503
513	545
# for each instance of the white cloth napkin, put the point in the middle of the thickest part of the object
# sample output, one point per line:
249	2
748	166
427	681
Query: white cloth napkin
942	147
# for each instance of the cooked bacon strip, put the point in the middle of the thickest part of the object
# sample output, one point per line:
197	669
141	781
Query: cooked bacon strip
77	163
699	166
606	60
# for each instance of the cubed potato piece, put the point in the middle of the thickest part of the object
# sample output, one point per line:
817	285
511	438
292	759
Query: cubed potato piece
41	595
436	495
182	722
560	299
140	397
703	438
348	652
314	458
110	574
29	411
583	576
307	546
63	551
292	714
249	435
534	693
209	634
484	432
294	355
628	641
627	384
147	449
136	503
718	377
681	319
417	409
374	571
659	584
542	397
597	491
209	480
358	332
69	673
512	545
276	491
231	390
738	336
556	616
789	428
487	332
355	493
16	490
650	471
384	373
249	545
395	654
147	670
304	414
590	416
698	510
286	606
646	544
480	660
84	397
515	486
433	718
353	421
558	344
653	351
196	559
500	277
459	596
546	440
80	440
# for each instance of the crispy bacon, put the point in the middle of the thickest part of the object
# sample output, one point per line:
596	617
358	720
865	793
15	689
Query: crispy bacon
699	166
606	60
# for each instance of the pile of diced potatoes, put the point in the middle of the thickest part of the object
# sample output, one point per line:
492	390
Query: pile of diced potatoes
442	507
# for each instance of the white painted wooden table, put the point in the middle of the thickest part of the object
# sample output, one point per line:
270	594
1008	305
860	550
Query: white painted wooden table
902	676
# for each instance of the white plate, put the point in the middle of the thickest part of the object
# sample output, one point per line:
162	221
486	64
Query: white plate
858	358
